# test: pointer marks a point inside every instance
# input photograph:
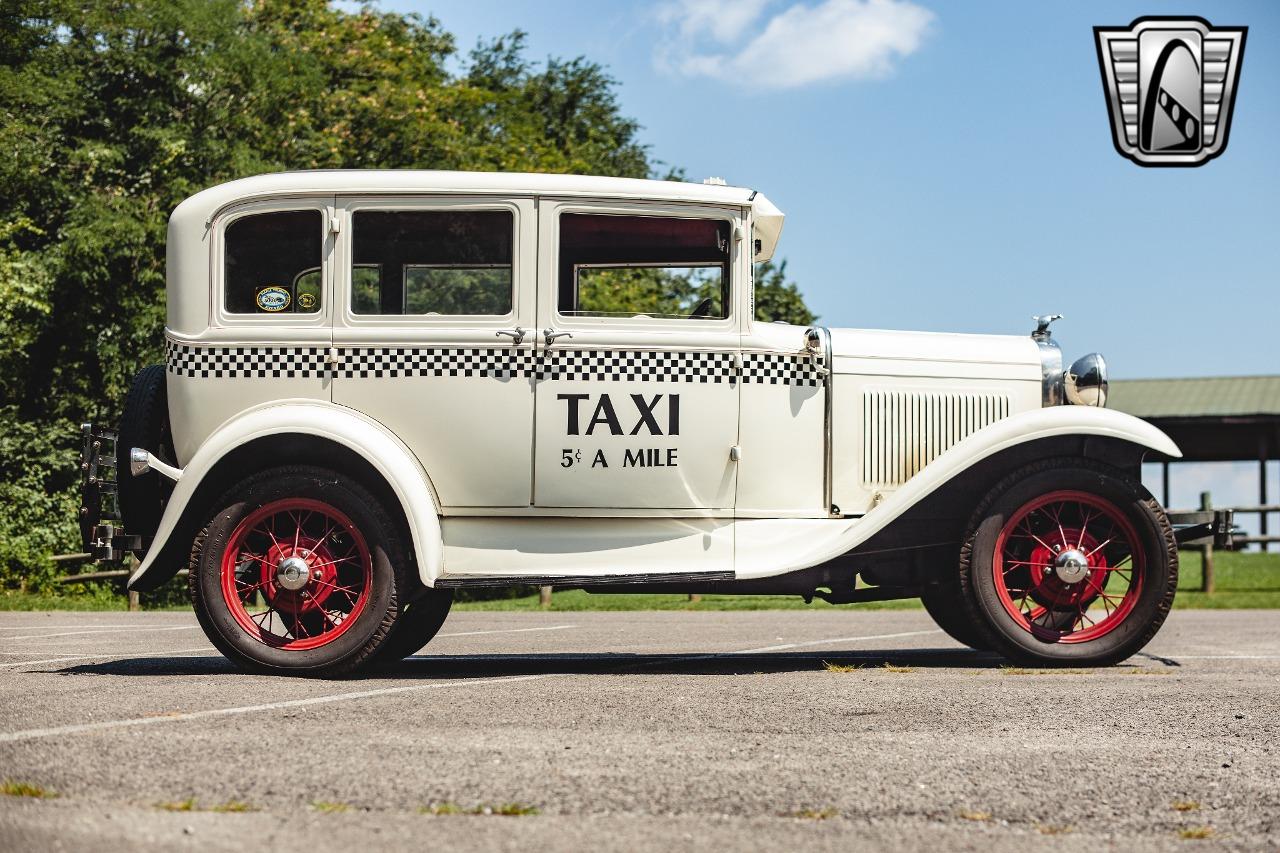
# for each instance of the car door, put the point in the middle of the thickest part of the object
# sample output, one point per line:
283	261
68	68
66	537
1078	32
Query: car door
636	399
430	337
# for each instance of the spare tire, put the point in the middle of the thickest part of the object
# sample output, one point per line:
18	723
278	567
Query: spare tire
144	423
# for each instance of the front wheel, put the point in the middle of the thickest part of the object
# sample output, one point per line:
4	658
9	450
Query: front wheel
1069	562
298	571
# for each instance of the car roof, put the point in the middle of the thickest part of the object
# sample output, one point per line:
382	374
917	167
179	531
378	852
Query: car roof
356	181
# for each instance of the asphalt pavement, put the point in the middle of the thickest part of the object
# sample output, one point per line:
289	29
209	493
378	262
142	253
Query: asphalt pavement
640	731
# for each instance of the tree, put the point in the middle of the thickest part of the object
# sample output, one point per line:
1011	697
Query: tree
779	299
113	112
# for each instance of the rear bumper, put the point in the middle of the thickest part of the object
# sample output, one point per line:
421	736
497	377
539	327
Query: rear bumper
101	534
1214	527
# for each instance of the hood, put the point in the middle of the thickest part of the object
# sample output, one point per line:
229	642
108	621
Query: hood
867	351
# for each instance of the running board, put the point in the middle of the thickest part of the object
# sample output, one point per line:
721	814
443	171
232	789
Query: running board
582	581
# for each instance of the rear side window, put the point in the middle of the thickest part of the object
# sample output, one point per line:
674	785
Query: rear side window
432	262
643	267
273	263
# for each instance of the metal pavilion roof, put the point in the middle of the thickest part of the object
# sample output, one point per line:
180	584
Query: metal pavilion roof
1207	397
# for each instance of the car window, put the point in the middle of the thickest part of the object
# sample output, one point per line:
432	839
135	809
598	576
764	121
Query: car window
643	267
432	262
272	263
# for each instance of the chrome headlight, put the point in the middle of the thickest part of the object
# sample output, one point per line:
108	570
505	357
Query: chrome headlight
1086	381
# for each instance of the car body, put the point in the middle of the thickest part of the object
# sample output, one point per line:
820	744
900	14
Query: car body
549	379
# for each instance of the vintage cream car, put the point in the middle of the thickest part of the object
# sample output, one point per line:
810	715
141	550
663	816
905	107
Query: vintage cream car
381	387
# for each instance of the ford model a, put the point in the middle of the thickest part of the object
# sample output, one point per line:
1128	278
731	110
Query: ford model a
380	387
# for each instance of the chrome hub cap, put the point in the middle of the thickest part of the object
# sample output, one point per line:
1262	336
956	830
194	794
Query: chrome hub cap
293	573
1071	566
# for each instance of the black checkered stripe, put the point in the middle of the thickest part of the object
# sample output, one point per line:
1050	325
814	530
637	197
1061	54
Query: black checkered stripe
263	362
393	362
772	369
639	365
245	362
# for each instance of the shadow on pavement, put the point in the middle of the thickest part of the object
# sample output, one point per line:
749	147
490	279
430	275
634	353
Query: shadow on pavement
489	666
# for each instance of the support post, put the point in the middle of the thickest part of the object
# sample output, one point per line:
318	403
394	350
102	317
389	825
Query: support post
1206	576
135	602
544	597
1262	489
1164	483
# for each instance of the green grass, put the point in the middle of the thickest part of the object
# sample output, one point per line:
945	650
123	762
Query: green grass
1241	581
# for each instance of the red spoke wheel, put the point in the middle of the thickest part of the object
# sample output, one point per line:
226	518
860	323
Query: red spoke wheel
296	573
299	572
1066	568
1069	562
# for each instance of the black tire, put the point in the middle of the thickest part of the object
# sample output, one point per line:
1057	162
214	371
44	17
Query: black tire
354	646
419	621
144	423
943	604
1157	565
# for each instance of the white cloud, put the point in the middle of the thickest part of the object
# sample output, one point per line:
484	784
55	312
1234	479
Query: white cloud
734	40
722	20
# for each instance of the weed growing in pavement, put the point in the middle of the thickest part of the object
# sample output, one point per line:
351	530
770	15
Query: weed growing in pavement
1018	670
841	667
11	788
441	809
1197	833
502	809
893	667
967	814
814	814
326	807
1185	806
1053	829
233	806
187	805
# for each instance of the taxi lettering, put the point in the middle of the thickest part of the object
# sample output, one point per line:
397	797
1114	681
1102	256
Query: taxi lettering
649	414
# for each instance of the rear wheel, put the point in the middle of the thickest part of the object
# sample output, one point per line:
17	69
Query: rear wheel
418	623
1069	563
943	604
298	571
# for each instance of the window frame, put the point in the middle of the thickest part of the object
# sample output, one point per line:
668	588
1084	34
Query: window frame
350	205
286	204
729	215
578	268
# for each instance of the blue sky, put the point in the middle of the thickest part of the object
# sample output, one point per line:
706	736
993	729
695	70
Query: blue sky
948	166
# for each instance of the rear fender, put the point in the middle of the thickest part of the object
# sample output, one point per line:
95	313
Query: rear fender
366	438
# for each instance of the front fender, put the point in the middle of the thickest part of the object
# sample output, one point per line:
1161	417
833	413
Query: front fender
365	437
828	540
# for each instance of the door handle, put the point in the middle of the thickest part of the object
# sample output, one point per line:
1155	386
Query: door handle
517	335
549	337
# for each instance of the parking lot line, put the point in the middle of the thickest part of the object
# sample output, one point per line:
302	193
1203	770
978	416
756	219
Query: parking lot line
108	655
786	646
106	631
1225	657
59	627
505	631
32	734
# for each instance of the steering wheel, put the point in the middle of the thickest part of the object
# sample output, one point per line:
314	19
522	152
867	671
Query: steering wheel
704	308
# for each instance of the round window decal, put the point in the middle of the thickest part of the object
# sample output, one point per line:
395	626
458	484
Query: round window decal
273	299
306	301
